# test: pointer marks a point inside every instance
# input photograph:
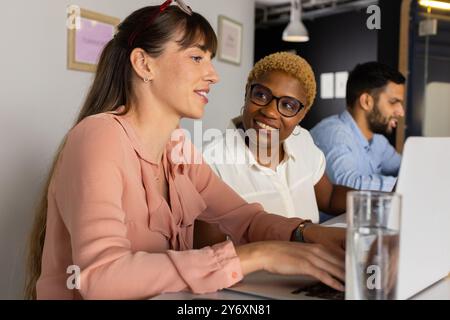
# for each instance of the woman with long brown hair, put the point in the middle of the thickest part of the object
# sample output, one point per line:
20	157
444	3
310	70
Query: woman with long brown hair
122	196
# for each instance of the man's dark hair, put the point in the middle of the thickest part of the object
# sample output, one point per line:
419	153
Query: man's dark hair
369	77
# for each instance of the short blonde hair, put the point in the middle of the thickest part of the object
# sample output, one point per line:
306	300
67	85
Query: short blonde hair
291	64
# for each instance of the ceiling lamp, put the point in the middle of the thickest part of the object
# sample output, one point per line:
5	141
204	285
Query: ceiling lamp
435	4
295	30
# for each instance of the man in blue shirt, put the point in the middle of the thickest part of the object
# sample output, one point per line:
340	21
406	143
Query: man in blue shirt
358	155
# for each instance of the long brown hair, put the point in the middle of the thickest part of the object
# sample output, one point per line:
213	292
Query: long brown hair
112	88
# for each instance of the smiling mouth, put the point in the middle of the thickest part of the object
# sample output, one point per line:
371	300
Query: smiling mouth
264	126
203	94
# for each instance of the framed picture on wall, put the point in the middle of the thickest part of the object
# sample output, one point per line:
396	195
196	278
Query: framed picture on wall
230	40
88	33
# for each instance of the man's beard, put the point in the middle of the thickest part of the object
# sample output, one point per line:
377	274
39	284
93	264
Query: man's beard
379	123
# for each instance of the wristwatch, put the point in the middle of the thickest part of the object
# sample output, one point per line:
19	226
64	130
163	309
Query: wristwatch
298	234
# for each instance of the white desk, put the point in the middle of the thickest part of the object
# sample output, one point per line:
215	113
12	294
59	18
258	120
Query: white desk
437	291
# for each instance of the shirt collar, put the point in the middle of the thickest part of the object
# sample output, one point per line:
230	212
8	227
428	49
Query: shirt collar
289	146
240	151
347	119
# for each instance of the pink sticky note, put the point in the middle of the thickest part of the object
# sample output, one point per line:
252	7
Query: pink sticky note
90	40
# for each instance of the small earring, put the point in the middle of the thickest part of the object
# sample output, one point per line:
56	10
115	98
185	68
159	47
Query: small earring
146	79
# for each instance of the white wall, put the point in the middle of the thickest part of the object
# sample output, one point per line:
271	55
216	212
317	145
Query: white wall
40	98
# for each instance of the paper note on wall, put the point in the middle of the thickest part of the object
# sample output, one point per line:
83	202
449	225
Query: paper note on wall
437	110
340	84
327	86
91	39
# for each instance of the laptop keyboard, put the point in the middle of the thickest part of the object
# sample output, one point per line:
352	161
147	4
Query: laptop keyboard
320	290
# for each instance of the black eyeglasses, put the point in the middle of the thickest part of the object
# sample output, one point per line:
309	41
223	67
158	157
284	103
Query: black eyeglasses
185	8
286	106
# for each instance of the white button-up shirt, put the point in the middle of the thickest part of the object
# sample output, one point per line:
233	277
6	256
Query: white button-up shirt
288	190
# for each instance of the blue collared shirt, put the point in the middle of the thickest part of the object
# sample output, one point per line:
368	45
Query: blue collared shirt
352	160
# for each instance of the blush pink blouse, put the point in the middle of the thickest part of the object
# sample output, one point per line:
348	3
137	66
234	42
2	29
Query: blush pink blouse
106	218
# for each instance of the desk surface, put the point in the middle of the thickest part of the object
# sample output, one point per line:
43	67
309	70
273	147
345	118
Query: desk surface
437	291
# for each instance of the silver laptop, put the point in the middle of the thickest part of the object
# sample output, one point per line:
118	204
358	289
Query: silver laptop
424	183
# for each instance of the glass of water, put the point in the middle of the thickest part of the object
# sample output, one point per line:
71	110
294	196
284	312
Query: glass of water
372	251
